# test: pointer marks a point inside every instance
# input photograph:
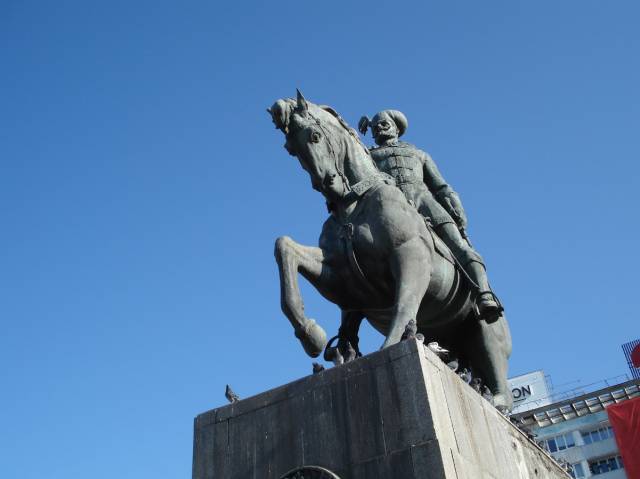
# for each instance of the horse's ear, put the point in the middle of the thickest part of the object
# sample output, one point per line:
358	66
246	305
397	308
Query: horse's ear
302	106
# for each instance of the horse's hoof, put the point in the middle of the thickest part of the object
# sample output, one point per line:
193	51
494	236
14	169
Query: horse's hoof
313	338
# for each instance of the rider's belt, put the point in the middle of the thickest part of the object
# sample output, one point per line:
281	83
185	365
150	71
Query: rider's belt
407	180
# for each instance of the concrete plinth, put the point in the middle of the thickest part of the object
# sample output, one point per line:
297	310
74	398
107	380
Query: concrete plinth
398	413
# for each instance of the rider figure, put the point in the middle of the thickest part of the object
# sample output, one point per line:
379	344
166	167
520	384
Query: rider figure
419	179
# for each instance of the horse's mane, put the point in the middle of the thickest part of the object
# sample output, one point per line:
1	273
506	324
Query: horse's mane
344	125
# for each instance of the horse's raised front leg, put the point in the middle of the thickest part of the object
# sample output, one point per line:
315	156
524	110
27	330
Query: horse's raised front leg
294	258
410	266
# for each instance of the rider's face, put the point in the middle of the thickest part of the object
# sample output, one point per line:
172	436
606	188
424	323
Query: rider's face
383	128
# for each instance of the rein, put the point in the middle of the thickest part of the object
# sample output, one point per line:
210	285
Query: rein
362	186
339	168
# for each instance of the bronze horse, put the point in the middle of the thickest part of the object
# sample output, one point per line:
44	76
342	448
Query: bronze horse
377	258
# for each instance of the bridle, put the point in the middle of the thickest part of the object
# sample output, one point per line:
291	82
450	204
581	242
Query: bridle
338	159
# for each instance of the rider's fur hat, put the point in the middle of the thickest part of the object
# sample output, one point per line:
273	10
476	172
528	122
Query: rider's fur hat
398	118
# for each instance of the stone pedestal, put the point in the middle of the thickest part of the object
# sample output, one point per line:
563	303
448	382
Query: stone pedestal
398	413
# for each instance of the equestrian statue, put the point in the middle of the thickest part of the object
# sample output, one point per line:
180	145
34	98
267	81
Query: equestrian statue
383	255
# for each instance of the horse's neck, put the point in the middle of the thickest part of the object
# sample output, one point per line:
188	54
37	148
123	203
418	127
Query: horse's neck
358	164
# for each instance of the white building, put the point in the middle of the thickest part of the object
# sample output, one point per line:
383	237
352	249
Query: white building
577	431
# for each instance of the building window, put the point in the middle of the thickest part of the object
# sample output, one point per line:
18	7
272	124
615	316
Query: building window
558	443
577	471
596	435
606	465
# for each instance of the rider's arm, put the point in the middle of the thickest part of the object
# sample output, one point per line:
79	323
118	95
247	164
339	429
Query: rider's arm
445	195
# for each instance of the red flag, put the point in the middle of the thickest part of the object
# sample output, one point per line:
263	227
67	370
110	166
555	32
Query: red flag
625	421
635	356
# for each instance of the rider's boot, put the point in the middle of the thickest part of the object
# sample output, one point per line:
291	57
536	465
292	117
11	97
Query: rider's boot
489	308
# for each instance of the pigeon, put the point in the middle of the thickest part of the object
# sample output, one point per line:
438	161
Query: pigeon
567	466
334	355
517	422
410	330
465	375
350	353
520	424
230	395
486	393
476	384
453	364
435	347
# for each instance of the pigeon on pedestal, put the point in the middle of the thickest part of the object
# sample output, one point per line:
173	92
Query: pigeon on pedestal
465	375
410	330
453	364
334	355
476	384
350	353
230	395
486	393
440	351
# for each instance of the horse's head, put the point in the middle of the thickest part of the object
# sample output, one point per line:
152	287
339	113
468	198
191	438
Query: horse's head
315	134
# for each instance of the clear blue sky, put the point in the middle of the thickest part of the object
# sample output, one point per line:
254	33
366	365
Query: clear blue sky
142	186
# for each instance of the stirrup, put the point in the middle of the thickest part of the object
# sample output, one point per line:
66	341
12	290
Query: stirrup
493	313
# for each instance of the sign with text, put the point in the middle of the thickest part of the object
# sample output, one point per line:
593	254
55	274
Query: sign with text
529	391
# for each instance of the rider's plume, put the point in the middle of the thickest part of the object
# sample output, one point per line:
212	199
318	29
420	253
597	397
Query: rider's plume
363	124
